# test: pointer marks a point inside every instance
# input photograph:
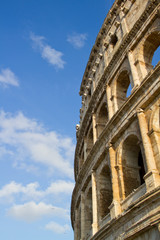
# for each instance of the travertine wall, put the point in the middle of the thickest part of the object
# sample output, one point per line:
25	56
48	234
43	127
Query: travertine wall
117	157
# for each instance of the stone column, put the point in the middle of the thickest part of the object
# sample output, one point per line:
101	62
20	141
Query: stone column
115	208
94	204
136	81
82	216
152	178
109	102
94	128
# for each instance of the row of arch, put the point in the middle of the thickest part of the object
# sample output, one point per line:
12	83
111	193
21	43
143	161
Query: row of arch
119	92
132	169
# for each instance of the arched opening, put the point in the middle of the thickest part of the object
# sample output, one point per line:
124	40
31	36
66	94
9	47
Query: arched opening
113	39
155	58
132	165
90	140
151	45
88	213
105	192
141	167
102	118
122	86
129	89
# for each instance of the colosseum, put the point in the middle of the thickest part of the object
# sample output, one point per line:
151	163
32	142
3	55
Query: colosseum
117	156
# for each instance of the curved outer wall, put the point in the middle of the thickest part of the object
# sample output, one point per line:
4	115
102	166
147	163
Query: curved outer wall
117	156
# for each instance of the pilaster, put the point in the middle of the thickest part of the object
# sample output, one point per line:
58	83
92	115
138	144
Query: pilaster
94	203
109	102
115	208
135	77
94	128
152	177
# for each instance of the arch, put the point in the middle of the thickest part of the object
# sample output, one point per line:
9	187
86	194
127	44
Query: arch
133	168
155	58
152	42
102	118
90	140
122	84
88	212
105	191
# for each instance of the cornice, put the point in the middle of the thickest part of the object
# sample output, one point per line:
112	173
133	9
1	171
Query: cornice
99	40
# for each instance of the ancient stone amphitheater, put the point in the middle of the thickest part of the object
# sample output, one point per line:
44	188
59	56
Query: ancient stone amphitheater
117	157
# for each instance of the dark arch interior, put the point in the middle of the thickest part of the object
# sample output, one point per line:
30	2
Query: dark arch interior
105	192
132	164
102	118
123	83
151	46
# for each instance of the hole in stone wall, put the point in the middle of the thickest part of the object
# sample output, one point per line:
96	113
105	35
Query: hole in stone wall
102	118
88	212
132	162
151	50
90	140
156	57
122	88
114	40
141	167
129	91
105	192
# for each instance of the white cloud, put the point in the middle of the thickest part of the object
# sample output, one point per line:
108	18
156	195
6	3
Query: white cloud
57	228
7	77
48	53
31	145
31	191
77	39
30	211
60	187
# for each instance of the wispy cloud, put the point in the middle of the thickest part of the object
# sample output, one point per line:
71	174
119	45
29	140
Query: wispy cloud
77	40
48	53
31	211
30	145
57	228
7	77
32	191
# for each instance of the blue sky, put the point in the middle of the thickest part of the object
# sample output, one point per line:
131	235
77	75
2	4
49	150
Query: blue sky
44	48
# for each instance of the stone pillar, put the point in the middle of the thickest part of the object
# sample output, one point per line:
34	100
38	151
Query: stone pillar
123	23
94	204
115	208
94	128
155	140
133	70
82	216
152	178
109	102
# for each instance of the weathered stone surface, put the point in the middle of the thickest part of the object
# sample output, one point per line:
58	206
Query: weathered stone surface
117	157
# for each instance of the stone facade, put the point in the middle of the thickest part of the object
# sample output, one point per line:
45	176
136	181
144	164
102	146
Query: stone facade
117	156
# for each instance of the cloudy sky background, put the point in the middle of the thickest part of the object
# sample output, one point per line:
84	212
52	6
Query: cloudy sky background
44	48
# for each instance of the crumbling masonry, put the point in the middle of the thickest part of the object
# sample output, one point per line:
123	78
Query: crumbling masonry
117	157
